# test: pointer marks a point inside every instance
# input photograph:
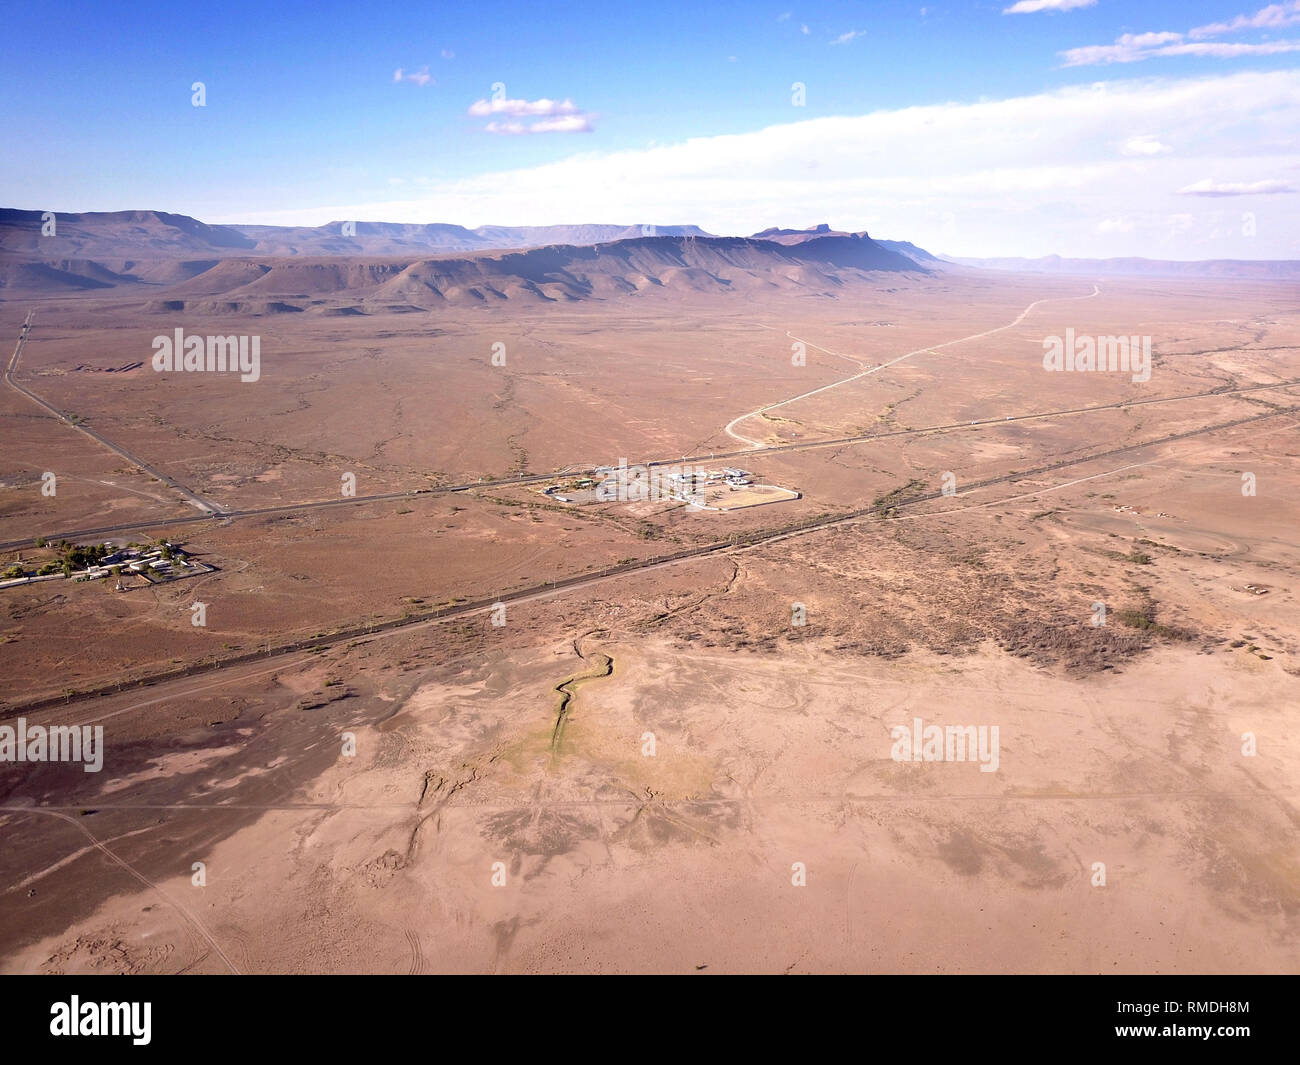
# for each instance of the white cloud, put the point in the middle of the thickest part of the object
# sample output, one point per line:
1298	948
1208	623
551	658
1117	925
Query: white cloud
559	124
1116	225
1144	145
421	77
1028	7
1124	53
1132	47
805	30
1267	18
557	116
1226	50
1148	40
563	124
483	108
1027	175
1208	187
447	53
844	38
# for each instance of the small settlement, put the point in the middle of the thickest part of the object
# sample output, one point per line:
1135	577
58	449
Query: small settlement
132	565
699	487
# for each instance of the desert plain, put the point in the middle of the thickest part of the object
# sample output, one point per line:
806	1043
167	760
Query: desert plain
397	746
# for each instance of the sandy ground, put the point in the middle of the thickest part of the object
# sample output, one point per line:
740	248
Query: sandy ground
528	744
612	860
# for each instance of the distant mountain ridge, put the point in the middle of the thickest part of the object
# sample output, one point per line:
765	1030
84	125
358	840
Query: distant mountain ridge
180	261
414	266
116	233
400	238
659	266
123	234
799	236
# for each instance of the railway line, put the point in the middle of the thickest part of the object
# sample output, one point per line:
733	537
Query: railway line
736	543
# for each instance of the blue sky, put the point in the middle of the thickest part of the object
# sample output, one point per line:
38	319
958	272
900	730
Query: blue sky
676	112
